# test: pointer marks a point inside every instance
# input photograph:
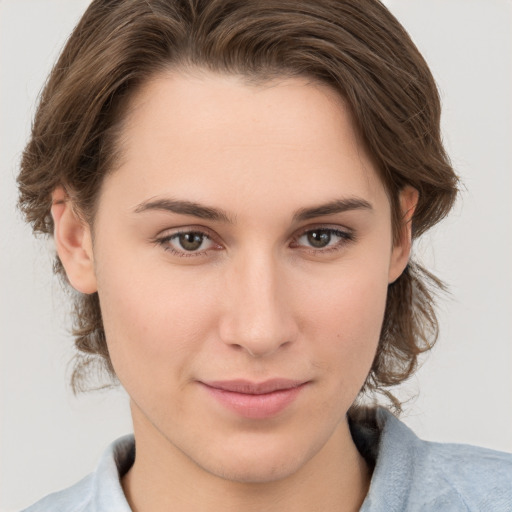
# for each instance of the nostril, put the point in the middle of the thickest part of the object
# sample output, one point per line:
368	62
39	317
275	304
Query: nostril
263	348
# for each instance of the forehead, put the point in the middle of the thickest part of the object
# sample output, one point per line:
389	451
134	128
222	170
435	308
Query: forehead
196	133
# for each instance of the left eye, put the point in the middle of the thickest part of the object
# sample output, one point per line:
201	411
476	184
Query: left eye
322	238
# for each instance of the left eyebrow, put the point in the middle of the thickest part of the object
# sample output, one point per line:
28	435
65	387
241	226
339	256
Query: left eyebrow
331	208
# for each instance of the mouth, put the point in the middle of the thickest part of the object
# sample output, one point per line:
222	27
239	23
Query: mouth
255	400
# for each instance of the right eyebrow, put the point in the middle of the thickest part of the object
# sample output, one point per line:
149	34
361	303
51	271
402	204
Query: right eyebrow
185	208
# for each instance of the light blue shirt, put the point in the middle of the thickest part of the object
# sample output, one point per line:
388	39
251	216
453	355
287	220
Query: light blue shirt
410	475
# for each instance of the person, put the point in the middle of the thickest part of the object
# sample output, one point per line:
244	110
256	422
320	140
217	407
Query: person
234	188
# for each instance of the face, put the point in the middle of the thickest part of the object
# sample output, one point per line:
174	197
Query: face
242	253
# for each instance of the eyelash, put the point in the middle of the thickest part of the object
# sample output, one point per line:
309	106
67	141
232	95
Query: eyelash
345	238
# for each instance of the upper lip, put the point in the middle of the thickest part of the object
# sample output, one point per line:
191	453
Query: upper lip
254	388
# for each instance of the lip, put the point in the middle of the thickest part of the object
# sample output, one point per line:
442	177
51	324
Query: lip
255	400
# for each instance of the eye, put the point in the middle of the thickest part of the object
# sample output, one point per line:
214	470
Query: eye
187	243
324	239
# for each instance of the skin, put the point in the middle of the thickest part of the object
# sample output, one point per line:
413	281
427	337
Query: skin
257	300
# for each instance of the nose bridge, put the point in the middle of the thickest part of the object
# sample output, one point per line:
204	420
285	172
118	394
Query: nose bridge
256	316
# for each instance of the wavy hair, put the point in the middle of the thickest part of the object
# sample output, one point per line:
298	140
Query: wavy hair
356	47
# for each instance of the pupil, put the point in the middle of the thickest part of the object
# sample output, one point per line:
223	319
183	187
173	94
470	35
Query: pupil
191	241
320	238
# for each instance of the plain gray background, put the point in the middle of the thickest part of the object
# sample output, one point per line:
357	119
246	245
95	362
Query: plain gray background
50	439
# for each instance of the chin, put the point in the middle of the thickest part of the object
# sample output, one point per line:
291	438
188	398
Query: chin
262	462
260	471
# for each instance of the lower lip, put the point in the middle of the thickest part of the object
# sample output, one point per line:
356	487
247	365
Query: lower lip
256	406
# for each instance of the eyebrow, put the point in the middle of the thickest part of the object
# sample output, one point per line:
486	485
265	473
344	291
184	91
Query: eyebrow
331	208
209	213
185	208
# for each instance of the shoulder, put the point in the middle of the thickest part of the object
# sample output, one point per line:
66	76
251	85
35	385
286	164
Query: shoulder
411	474
73	499
101	490
478	477
488	467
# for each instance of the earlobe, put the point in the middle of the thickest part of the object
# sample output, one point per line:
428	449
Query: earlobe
73	242
402	247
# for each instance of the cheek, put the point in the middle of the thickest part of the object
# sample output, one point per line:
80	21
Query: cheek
345	320
155	320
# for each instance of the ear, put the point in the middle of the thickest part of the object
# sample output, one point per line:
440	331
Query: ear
74	243
402	247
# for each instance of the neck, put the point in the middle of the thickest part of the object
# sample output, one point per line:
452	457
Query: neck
162	478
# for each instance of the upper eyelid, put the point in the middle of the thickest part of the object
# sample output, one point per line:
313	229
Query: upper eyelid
327	227
170	232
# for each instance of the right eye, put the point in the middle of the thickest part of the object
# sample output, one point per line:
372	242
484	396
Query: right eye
187	243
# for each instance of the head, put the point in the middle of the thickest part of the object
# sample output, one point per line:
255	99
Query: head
348	70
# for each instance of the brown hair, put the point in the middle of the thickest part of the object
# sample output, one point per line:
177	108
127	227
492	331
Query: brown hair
355	46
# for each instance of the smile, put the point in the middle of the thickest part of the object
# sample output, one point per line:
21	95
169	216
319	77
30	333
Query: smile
255	400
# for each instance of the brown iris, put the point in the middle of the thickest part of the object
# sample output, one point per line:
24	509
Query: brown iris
319	238
191	241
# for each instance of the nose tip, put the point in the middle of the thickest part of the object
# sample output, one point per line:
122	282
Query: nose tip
259	346
257	316
260	332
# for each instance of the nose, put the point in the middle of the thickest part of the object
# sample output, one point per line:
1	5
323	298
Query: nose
257	315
